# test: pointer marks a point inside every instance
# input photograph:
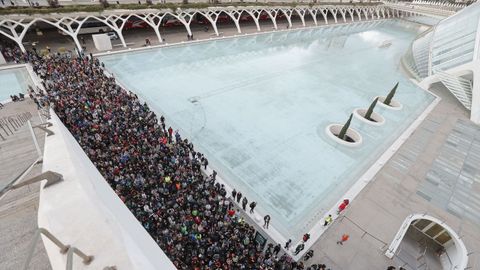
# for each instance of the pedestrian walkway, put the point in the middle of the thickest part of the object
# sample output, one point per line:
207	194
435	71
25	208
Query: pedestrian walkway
18	208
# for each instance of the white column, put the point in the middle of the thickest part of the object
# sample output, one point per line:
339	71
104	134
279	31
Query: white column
352	15
13	35
365	13
301	13
288	14
475	110
334	13
272	13
185	18
212	17
313	13
150	20
255	14
359	14
235	15
111	21
324	13
342	12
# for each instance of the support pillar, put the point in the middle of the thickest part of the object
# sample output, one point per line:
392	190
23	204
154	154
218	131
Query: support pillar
313	13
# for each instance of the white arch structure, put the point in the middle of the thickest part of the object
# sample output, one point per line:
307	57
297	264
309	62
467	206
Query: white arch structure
15	27
460	258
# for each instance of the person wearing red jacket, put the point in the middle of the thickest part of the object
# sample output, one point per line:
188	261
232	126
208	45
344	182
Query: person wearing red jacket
343	205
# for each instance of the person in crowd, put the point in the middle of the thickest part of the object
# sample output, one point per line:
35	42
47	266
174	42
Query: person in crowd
266	221
287	244
244	203
277	249
159	180
252	207
308	255
306	237
239	197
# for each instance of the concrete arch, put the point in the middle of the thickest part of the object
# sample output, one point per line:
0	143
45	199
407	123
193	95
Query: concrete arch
235	16
459	261
149	18
359	14
324	13
212	17
343	12
313	12
288	15
255	15
334	12
185	18
69	31
272	13
301	12
11	26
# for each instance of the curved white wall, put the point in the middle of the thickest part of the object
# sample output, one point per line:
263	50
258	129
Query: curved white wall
457	252
84	211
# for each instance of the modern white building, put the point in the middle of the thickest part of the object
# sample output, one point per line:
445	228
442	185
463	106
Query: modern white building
449	53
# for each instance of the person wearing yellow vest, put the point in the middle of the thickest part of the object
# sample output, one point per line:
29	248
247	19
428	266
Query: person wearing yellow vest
328	220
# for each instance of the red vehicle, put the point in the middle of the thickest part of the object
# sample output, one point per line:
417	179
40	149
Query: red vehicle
172	22
135	23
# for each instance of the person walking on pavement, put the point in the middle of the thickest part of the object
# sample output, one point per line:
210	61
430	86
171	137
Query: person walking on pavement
266	220
287	244
299	248
252	206
344	238
239	197
244	203
234	194
308	255
343	205
306	237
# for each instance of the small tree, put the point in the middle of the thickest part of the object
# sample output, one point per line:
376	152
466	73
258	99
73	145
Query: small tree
343	133
149	2
370	109
389	98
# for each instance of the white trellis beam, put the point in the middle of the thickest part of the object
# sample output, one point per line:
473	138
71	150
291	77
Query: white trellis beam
334	13
301	12
313	12
235	15
212	17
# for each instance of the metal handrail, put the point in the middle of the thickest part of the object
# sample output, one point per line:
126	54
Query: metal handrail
17	179
63	249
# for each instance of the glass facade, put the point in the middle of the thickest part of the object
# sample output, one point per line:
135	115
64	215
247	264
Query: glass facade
452	42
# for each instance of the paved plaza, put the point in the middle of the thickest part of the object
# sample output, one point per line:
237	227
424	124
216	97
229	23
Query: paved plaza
398	191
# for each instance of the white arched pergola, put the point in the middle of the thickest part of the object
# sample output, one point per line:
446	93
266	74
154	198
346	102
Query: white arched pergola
459	261
15	27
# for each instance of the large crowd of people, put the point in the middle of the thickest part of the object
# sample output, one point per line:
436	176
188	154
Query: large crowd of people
155	172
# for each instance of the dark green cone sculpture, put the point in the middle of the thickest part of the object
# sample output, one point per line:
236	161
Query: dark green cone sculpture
370	110
390	95
343	132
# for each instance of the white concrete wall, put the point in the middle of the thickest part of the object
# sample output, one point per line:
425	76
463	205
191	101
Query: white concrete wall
83	211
